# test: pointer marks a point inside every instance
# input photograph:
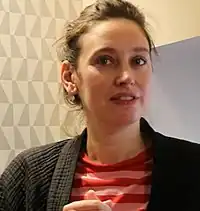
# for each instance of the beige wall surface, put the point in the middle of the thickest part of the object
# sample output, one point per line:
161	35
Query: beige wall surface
170	20
31	109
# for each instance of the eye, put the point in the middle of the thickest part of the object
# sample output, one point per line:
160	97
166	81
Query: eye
104	60
140	61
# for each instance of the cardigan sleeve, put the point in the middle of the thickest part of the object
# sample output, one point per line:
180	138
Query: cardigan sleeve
24	185
12	181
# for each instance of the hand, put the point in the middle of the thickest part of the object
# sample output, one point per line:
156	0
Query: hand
91	203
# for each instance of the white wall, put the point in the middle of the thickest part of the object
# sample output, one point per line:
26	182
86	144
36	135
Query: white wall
171	20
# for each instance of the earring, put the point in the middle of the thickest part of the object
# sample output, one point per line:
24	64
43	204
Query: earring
72	98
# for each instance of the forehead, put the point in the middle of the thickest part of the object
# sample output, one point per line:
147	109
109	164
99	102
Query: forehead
114	33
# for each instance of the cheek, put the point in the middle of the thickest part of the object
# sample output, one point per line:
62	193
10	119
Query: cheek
91	84
144	82
147	88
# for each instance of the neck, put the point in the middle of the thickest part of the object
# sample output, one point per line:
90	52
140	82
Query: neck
113	145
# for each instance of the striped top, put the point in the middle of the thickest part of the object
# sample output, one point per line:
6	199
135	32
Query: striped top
126	183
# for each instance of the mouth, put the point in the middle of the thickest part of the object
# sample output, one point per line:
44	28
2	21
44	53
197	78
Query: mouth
124	99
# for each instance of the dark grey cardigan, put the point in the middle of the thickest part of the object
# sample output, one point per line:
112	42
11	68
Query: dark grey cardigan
41	178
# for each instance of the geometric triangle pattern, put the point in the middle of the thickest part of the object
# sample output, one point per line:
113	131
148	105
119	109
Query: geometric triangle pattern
35	141
22	74
19	141
17	95
36	31
11	155
14	7
6	92
6	133
1	6
24	119
4	24
2	50
3	96
31	51
51	33
53	74
40	132
15	66
48	98
23	89
3	110
6	156
44	9
48	134
30	110
39	121
38	75
15	48
17	113
59	13
46	51
20	30
4	142
55	118
75	8
6	72
8	118
14	19
32	95
29	9
38	87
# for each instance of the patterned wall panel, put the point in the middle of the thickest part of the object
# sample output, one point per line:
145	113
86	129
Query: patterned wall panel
30	110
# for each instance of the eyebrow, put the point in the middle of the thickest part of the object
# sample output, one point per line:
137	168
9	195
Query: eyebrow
112	50
141	49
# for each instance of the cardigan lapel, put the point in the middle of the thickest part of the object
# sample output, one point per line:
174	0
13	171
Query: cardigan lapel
154	201
159	181
168	177
62	180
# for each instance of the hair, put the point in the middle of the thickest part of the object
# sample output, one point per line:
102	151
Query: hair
68	46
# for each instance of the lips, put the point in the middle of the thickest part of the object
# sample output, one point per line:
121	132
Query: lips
124	96
125	99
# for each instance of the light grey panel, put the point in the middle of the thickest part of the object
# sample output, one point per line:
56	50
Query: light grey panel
175	101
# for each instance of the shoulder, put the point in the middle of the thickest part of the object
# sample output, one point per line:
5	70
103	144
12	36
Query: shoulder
180	143
178	161
36	157
181	149
30	170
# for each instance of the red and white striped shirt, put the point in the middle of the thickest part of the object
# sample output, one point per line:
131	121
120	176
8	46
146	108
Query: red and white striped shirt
126	183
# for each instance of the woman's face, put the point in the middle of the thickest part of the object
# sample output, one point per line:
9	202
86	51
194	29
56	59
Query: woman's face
114	72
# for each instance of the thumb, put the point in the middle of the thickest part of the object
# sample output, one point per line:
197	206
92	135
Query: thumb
91	195
109	203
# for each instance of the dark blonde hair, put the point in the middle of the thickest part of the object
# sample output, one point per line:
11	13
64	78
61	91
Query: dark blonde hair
68	46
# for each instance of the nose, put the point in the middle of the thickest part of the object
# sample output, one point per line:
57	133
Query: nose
125	78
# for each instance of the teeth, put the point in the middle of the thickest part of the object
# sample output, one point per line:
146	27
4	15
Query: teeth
126	98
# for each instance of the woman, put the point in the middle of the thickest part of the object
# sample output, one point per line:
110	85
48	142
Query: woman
119	162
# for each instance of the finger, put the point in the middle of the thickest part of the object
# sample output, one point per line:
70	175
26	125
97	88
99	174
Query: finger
64	209
87	205
91	195
109	203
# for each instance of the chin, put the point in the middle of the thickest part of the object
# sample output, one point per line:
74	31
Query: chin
125	120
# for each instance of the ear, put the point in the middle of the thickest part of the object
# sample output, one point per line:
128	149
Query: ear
68	78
